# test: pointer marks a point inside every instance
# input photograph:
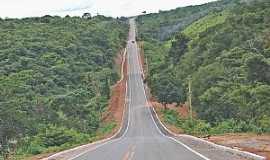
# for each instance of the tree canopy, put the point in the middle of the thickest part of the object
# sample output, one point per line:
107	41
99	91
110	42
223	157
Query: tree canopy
226	52
55	78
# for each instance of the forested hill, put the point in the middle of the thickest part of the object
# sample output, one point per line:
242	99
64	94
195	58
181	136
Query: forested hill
226	57
164	24
55	78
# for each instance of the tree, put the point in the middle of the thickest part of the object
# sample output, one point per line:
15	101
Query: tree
258	69
179	48
13	125
44	78
167	90
87	16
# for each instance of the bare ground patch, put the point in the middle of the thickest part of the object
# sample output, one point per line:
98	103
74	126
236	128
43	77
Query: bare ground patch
258	144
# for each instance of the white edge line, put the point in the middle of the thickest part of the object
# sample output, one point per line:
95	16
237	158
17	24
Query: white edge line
108	140
91	149
104	141
243	153
187	147
197	153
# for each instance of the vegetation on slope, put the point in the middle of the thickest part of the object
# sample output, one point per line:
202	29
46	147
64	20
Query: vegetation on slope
212	19
55	78
227	62
163	25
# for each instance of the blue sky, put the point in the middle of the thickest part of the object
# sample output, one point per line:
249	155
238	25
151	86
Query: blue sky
30	8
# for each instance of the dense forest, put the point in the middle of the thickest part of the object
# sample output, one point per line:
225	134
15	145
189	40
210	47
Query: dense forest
225	55
56	73
55	78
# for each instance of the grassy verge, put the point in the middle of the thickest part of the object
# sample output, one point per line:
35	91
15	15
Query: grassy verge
53	141
201	128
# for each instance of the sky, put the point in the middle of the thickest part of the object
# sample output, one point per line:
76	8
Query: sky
114	8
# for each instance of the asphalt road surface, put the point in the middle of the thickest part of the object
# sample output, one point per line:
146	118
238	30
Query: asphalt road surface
141	138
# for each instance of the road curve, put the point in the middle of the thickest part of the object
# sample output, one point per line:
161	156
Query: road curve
142	139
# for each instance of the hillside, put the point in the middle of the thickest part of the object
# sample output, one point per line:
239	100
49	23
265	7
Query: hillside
165	24
55	80
225	55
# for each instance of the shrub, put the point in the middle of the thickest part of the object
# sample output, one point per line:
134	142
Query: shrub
170	116
264	122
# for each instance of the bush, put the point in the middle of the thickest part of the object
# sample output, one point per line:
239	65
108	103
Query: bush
200	127
30	145
190	126
107	128
233	126
194	126
35	148
57	136
265	124
52	138
170	116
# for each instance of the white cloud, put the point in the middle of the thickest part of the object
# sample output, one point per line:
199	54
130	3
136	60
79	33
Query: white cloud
29	8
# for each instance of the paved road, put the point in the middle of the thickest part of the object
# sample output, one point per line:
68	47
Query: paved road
142	140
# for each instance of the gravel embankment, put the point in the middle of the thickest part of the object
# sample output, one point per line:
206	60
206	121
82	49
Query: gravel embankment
208	150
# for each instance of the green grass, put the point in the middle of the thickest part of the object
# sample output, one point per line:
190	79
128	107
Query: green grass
35	148
107	128
202	24
199	127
